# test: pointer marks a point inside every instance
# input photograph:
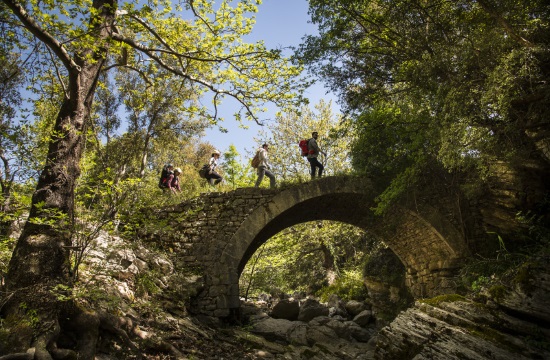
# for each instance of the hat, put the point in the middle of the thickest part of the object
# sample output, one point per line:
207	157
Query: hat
178	170
215	152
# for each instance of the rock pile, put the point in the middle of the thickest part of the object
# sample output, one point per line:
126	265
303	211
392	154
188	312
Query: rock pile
308	328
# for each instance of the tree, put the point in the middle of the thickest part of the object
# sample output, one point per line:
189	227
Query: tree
158	109
83	40
456	84
236	174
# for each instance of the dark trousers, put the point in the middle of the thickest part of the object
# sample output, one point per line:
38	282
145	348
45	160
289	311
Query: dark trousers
214	178
315	164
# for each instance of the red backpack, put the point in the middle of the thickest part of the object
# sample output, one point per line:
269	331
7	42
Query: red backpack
304	147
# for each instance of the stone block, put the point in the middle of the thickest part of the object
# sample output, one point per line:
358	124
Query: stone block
217	290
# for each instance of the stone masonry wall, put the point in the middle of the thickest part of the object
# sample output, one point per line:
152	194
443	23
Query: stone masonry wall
209	236
198	231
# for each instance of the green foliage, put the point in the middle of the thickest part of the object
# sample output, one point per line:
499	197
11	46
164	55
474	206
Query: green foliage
169	64
305	258
145	284
433	83
482	273
51	217
62	292
237	174
508	268
31	315
480	283
6	247
435	301
348	286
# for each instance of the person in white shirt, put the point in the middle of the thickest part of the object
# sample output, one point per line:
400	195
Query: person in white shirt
263	168
213	177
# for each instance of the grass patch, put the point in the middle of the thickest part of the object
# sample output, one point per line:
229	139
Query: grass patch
435	301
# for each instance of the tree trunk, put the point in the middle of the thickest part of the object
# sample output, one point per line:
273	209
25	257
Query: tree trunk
328	264
40	260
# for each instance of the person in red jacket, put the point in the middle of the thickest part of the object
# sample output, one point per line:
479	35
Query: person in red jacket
314	151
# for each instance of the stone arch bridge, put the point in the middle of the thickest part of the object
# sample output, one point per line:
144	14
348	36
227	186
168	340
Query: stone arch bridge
217	233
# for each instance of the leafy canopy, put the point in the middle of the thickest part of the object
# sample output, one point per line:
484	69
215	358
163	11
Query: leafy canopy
454	83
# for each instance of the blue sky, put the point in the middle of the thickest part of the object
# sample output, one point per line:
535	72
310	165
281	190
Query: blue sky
279	23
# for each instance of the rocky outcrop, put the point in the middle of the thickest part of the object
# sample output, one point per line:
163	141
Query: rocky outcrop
505	323
457	330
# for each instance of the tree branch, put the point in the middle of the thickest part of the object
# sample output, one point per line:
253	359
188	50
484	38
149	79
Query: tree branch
504	23
200	17
41	34
57	73
150	53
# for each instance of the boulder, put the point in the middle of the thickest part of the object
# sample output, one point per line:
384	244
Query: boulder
298	335
357	332
363	318
286	309
273	329
336	307
354	307
311	309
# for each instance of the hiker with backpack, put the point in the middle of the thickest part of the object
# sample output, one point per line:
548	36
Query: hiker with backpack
263	167
313	152
212	176
173	182
167	170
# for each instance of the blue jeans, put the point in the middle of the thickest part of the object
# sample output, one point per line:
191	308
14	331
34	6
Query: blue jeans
315	164
262	170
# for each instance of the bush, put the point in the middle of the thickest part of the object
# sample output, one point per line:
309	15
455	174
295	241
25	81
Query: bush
349	286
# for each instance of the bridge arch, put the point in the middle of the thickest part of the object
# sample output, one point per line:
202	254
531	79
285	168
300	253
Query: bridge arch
429	248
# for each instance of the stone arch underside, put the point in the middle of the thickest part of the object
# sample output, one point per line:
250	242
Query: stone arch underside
334	207
423	250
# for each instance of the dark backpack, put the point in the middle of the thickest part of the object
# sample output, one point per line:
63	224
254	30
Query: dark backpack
304	147
164	175
204	170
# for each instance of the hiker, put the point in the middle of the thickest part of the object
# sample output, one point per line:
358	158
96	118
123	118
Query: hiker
314	151
213	177
167	170
263	168
173	181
